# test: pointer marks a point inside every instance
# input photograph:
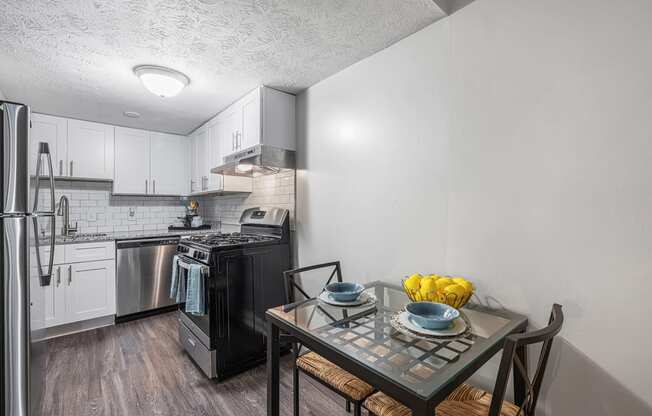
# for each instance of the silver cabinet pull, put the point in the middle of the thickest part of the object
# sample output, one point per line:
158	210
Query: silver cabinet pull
191	342
71	169
238	140
58	276
146	186
69	275
154	186
61	168
233	141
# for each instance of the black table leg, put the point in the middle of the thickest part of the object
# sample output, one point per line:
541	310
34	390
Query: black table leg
422	409
272	369
520	389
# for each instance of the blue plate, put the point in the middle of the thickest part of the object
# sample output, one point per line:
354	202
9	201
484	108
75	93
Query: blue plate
431	315
344	291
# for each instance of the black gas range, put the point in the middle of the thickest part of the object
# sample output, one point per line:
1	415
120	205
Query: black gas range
243	278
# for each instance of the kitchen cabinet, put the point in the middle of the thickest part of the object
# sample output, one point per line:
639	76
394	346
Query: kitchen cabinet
54	131
79	149
132	162
200	160
169	164
90	290
263	116
82	285
89	150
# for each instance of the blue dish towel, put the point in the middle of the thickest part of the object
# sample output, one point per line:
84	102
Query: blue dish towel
178	287
195	290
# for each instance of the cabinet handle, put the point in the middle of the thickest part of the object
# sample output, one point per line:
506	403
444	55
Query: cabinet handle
191	342
71	169
233	141
154	186
58	276
69	275
146	186
60	167
238	140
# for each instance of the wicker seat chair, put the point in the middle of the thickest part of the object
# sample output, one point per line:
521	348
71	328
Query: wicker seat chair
351	388
467	400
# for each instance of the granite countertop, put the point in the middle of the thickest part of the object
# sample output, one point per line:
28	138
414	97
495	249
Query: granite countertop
131	235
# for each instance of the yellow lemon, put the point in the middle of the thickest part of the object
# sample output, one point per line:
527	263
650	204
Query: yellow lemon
443	282
413	283
434	276
468	286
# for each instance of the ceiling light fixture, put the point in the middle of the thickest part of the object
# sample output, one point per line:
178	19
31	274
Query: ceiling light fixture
161	81
131	114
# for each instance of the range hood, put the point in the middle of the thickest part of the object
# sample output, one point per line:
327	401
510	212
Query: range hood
256	161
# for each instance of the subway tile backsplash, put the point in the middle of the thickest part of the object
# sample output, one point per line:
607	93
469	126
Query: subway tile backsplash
94	209
270	190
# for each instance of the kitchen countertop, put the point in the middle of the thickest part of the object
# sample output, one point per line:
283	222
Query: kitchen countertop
131	235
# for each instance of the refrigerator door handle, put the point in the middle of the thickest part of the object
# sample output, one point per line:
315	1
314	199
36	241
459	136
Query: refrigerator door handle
45	278
44	149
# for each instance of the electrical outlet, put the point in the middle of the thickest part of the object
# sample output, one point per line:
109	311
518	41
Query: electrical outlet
132	212
91	216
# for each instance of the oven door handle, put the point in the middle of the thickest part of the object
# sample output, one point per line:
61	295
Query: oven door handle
187	262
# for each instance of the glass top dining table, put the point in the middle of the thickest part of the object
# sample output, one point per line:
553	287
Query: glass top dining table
370	342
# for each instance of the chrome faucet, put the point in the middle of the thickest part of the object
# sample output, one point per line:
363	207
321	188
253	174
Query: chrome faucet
64	210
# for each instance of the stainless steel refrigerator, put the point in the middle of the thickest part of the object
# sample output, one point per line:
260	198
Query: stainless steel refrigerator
28	231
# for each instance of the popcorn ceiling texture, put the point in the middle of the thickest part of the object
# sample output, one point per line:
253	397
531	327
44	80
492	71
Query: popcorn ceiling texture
272	190
74	58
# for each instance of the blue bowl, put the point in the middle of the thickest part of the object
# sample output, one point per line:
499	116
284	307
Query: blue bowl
344	291
431	315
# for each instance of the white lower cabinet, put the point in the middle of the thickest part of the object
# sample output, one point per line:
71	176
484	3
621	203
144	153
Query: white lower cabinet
82	287
90	290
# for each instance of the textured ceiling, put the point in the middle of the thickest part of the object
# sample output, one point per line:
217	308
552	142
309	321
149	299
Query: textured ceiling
75	57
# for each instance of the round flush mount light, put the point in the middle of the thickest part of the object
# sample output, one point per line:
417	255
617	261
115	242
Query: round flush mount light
161	81
131	114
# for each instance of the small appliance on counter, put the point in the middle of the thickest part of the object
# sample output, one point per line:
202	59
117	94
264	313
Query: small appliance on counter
192	220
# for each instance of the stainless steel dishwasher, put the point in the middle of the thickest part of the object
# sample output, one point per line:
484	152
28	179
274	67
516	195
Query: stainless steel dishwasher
144	270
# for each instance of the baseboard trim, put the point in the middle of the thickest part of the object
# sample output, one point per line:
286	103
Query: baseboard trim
76	327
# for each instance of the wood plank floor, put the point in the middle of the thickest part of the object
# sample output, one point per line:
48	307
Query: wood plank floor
140	369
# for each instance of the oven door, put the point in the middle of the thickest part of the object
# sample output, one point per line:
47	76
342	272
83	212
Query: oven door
200	325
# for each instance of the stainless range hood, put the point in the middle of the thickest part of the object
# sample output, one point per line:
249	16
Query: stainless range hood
256	161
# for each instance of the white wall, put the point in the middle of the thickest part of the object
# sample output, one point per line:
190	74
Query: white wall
371	179
2	96
530	176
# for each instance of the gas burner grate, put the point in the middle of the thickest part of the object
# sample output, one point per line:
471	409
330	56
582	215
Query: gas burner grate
225	239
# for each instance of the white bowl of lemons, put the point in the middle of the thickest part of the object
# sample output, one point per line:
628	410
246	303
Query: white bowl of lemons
453	291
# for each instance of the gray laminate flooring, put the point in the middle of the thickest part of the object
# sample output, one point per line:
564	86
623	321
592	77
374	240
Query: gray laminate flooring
139	369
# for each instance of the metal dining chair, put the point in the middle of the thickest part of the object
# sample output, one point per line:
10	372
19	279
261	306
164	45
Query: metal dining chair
467	400
351	388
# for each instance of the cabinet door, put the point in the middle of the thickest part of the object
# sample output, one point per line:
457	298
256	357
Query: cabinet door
54	131
250	132
47	302
90	150
132	163
230	123
200	160
90	290
169	156
215	155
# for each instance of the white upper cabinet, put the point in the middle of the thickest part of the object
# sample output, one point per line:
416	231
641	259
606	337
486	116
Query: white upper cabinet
250	108
150	163
54	131
90	150
264	116
200	160
214	155
169	164
132	162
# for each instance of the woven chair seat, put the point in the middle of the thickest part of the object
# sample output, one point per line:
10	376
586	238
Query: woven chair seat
334	376
466	400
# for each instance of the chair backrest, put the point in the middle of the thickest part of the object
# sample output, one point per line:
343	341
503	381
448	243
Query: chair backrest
514	353
291	283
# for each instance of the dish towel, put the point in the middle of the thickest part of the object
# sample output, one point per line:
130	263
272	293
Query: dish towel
178	287
195	290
